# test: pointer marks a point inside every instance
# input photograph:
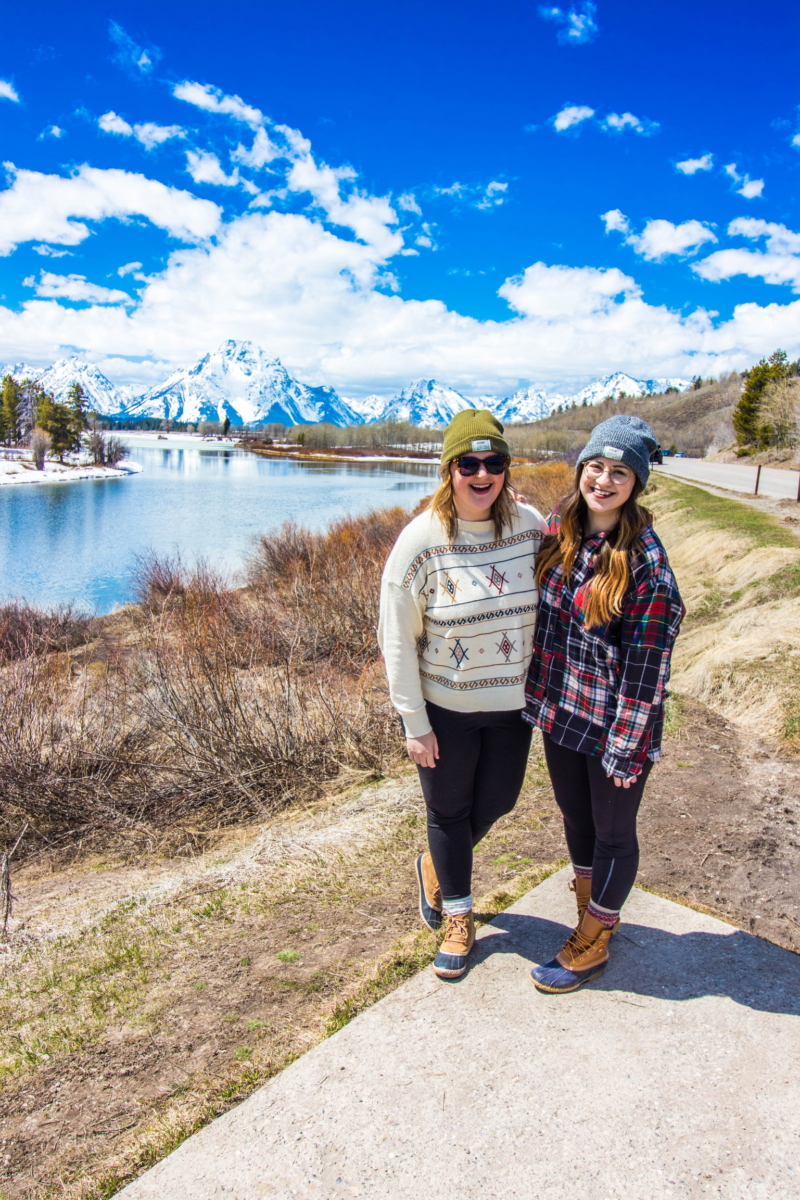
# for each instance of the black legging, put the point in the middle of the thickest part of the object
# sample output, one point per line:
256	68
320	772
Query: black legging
477	779
599	820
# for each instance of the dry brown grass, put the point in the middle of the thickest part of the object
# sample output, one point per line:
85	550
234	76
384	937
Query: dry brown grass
739	574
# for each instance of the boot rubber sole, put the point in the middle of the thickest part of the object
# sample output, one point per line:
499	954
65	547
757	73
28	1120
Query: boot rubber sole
561	991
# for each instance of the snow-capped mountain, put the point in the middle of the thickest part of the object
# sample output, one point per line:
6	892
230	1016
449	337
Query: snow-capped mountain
425	402
20	371
368	408
243	383
239	381
57	379
528	404
614	385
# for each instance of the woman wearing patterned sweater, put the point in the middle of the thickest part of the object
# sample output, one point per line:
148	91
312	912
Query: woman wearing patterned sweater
458	612
609	614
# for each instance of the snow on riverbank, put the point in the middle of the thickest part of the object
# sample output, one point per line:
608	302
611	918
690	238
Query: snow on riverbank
16	470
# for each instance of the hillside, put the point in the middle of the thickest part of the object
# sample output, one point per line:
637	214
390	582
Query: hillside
695	421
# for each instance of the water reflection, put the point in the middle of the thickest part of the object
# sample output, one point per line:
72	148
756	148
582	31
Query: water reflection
78	542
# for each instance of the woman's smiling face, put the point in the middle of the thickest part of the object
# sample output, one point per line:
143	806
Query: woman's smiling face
605	485
474	495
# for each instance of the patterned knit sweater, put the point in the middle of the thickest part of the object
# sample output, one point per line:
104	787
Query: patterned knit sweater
457	619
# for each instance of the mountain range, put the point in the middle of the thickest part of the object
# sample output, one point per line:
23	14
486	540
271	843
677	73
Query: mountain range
241	382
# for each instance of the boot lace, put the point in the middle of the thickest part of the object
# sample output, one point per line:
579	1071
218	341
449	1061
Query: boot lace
576	944
457	928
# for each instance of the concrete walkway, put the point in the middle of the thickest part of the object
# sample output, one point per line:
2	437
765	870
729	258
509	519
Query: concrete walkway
675	1075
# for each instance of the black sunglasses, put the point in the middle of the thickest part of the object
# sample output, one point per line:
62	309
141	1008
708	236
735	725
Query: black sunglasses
495	464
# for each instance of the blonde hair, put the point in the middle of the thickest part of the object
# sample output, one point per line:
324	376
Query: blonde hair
443	505
612	565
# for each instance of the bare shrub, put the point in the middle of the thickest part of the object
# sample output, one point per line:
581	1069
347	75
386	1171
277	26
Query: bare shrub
544	484
39	443
320	591
105	450
217	704
26	630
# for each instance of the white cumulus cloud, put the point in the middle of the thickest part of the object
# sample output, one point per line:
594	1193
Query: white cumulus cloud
619	122
205	167
408	202
8	91
577	24
315	287
571	115
262	151
203	95
690	166
750	189
778	264
659	238
148	133
476	195
111	123
48	208
77	288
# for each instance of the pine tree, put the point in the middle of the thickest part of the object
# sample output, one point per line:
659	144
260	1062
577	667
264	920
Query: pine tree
79	414
57	420
750	430
10	410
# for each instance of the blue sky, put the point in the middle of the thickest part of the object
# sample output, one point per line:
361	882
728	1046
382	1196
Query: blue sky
524	194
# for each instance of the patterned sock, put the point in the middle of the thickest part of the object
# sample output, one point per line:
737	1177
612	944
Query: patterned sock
606	916
455	908
582	872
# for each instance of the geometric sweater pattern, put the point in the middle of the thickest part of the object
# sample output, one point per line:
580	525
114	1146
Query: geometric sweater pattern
458	618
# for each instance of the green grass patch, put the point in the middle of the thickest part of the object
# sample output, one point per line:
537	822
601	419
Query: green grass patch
674	714
730	516
289	956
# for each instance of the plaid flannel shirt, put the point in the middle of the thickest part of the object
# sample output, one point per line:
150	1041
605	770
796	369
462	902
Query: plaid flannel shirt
602	690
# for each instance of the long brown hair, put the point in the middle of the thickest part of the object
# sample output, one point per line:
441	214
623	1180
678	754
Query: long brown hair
443	505
612	567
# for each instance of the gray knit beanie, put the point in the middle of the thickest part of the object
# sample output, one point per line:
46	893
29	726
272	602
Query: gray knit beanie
625	439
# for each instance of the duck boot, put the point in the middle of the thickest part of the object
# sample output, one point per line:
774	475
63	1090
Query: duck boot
459	938
430	894
583	894
583	957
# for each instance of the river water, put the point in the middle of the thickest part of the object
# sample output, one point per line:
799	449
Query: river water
78	542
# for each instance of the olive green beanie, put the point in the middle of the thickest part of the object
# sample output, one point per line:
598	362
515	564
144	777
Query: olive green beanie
474	429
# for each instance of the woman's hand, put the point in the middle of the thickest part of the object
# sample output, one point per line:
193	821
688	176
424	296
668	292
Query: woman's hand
625	783
423	750
518	496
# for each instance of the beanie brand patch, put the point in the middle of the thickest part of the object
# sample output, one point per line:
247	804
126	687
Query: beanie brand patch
611	452
482	444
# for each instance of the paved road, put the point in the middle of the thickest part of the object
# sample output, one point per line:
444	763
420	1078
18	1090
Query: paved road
675	1075
734	476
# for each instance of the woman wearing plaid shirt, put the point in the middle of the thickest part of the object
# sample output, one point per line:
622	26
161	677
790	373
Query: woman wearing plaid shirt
609	613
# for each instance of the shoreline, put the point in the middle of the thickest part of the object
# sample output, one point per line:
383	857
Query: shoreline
17	473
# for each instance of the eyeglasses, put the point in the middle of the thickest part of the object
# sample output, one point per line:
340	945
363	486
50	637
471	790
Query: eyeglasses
495	464
617	475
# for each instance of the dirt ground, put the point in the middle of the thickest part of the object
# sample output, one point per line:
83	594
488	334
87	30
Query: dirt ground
217	1012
